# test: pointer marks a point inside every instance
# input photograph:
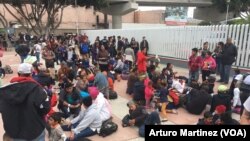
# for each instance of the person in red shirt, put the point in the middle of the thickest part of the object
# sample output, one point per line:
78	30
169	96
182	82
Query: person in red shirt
149	93
194	65
142	61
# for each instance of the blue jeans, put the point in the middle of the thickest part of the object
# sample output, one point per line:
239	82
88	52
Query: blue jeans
225	73
38	57
84	133
152	119
41	137
22	58
193	75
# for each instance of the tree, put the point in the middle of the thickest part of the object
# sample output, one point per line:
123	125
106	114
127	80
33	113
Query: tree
31	14
239	7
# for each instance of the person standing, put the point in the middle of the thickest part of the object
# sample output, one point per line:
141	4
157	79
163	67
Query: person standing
229	54
204	50
142	61
24	103
144	43
217	56
38	49
22	50
194	65
208	66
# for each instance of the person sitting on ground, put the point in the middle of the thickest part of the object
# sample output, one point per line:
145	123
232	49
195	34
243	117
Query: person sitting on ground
236	103
56	133
226	119
245	117
101	82
197	100
136	117
222	98
103	106
87	123
219	110
207	120
110	81
132	79
82	82
149	93
178	85
69	101
170	70
163	100
238	77
119	68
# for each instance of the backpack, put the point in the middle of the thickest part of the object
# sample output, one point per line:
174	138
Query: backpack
175	97
8	69
108	127
84	48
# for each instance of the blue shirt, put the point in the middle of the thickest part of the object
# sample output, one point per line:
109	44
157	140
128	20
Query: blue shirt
163	95
101	81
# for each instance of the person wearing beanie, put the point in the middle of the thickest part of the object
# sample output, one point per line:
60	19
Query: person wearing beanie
24	103
219	110
222	98
69	101
102	104
87	123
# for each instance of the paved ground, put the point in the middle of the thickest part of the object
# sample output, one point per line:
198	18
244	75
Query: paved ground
118	106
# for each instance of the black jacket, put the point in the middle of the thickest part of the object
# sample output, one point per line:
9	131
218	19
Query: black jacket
221	99
44	79
23	106
23	50
197	101
139	114
229	54
75	96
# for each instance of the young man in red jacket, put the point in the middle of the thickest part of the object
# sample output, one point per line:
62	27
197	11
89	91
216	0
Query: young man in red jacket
194	65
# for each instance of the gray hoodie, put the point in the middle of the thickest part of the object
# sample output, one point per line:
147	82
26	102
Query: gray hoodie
88	118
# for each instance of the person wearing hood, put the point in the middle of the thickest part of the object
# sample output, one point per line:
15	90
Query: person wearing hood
208	65
23	105
222	98
87	123
103	106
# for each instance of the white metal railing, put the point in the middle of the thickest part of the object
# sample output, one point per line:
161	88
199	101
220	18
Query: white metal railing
177	42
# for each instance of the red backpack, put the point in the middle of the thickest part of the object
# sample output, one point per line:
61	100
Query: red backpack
175	97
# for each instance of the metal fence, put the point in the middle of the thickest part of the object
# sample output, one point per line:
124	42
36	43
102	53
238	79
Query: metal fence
177	42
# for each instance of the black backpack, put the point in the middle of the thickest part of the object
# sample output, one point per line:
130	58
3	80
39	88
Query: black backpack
112	94
108	127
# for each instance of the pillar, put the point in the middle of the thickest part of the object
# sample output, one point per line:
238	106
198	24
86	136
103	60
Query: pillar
116	21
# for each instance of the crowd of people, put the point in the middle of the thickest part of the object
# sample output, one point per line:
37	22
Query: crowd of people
80	75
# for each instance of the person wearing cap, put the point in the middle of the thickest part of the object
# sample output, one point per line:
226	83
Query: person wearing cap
69	101
194	65
24	103
222	98
87	123
103	106
219	110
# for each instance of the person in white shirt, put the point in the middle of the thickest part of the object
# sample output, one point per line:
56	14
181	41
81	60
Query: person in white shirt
245	118
236	98
38	50
103	106
178	85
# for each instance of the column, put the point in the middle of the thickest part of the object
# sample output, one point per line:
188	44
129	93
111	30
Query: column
116	21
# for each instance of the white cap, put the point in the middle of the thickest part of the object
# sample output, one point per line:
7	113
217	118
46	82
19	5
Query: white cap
247	80
25	68
239	77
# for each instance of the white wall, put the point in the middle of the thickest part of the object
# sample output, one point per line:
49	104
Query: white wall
177	42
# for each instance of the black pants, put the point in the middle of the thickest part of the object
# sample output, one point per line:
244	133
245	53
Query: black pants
205	74
243	97
103	67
